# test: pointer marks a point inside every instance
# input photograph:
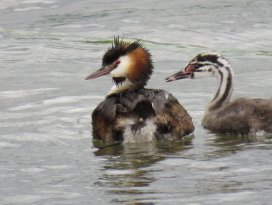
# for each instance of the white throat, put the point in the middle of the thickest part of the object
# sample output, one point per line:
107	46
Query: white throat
126	85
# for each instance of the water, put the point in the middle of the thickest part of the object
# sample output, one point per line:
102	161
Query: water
48	47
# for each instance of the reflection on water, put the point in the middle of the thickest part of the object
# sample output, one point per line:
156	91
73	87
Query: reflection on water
126	170
157	172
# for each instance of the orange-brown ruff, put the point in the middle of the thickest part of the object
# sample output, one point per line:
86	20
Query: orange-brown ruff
130	113
242	116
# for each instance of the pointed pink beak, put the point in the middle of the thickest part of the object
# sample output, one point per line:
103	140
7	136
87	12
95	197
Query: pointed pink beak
102	71
187	72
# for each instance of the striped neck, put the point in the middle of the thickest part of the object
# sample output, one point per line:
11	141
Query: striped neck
224	91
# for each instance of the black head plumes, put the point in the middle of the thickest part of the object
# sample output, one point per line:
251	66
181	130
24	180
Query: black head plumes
118	48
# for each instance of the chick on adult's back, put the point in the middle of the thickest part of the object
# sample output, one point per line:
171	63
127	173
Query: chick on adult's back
130	113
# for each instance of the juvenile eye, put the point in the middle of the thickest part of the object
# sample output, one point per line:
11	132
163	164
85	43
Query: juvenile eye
197	65
117	62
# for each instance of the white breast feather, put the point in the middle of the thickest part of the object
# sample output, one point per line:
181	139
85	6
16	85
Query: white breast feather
146	134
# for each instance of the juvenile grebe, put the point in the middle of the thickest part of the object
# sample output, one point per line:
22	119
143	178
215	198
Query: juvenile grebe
242	116
130	113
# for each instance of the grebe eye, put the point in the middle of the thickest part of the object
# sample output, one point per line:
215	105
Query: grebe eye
117	62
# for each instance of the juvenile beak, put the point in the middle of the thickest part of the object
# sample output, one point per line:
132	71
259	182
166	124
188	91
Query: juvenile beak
187	72
102	71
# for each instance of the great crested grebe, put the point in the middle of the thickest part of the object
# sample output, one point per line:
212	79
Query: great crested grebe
242	116
130	113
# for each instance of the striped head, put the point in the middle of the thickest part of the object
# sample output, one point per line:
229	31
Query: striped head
203	65
129	64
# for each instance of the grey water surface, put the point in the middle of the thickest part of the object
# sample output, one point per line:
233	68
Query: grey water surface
47	47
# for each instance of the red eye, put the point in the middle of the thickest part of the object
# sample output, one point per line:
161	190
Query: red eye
117	62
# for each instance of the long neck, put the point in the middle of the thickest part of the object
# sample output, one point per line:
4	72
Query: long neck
224	91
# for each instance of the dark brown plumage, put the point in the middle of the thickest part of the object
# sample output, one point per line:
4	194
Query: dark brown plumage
242	116
171	120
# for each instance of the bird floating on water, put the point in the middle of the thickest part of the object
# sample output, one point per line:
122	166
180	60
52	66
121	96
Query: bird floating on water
241	116
131	113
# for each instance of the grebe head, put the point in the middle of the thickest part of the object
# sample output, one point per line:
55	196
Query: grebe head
127	62
203	65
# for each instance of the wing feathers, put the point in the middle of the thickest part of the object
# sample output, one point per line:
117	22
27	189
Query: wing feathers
169	116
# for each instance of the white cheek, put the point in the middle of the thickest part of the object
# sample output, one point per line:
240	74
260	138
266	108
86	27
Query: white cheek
122	68
202	74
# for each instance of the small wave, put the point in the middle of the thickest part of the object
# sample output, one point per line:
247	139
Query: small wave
54	101
32	170
7	144
38	1
22	199
28	8
24	93
57	167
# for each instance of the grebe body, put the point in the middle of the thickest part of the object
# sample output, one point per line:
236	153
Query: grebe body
131	113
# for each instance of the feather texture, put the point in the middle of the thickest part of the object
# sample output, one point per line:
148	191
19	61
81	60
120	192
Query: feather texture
135	110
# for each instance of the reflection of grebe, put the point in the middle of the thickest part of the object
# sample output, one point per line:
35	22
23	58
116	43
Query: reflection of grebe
242	116
130	113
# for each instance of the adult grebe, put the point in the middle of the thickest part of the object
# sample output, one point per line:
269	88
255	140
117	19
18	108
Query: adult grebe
130	113
242	116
